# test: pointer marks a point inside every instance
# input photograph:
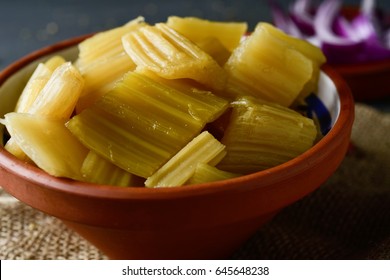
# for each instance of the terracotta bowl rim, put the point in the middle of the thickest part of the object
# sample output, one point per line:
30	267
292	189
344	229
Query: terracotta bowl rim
263	178
363	68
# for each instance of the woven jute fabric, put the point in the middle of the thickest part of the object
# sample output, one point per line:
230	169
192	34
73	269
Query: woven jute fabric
348	217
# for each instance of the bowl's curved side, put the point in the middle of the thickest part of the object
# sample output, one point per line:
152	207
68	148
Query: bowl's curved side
368	81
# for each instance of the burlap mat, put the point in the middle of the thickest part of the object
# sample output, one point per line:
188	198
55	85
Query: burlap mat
346	218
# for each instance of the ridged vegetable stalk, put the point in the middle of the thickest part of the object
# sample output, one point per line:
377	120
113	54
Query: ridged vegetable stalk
48	143
96	169
142	123
262	135
270	68
170	55
202	149
209	173
103	61
56	98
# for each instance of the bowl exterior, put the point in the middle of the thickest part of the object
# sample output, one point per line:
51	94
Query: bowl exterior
368	81
204	221
205	225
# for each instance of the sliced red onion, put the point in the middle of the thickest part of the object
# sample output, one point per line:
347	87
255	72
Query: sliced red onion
283	21
343	27
301	14
363	38
326	15
367	25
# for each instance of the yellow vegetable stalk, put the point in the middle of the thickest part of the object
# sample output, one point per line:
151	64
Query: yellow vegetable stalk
105	45
167	53
56	99
59	96
197	30
207	173
262	135
101	77
96	169
142	123
36	82
202	104
48	143
269	68
312	52
202	149
215	49
102	61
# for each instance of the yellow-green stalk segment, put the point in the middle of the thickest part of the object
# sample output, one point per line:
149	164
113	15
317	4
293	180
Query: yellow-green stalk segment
202	103
197	30
142	123
104	45
314	53
260	136
208	173
36	83
170	55
102	61
59	96
96	169
202	149
215	49
48	143
270	68
56	99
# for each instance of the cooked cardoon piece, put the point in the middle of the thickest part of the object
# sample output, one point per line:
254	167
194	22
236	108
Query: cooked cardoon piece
215	49
55	61
48	143
96	169
101	78
309	50
202	149
197	29
105	45
56	99
36	82
204	105
12	147
102	61
314	53
261	136
208	173
272	69
142	123
169	54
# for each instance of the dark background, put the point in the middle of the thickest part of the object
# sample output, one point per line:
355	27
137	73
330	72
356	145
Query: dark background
27	25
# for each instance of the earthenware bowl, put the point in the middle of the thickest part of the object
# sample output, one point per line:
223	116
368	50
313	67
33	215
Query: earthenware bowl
206	221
